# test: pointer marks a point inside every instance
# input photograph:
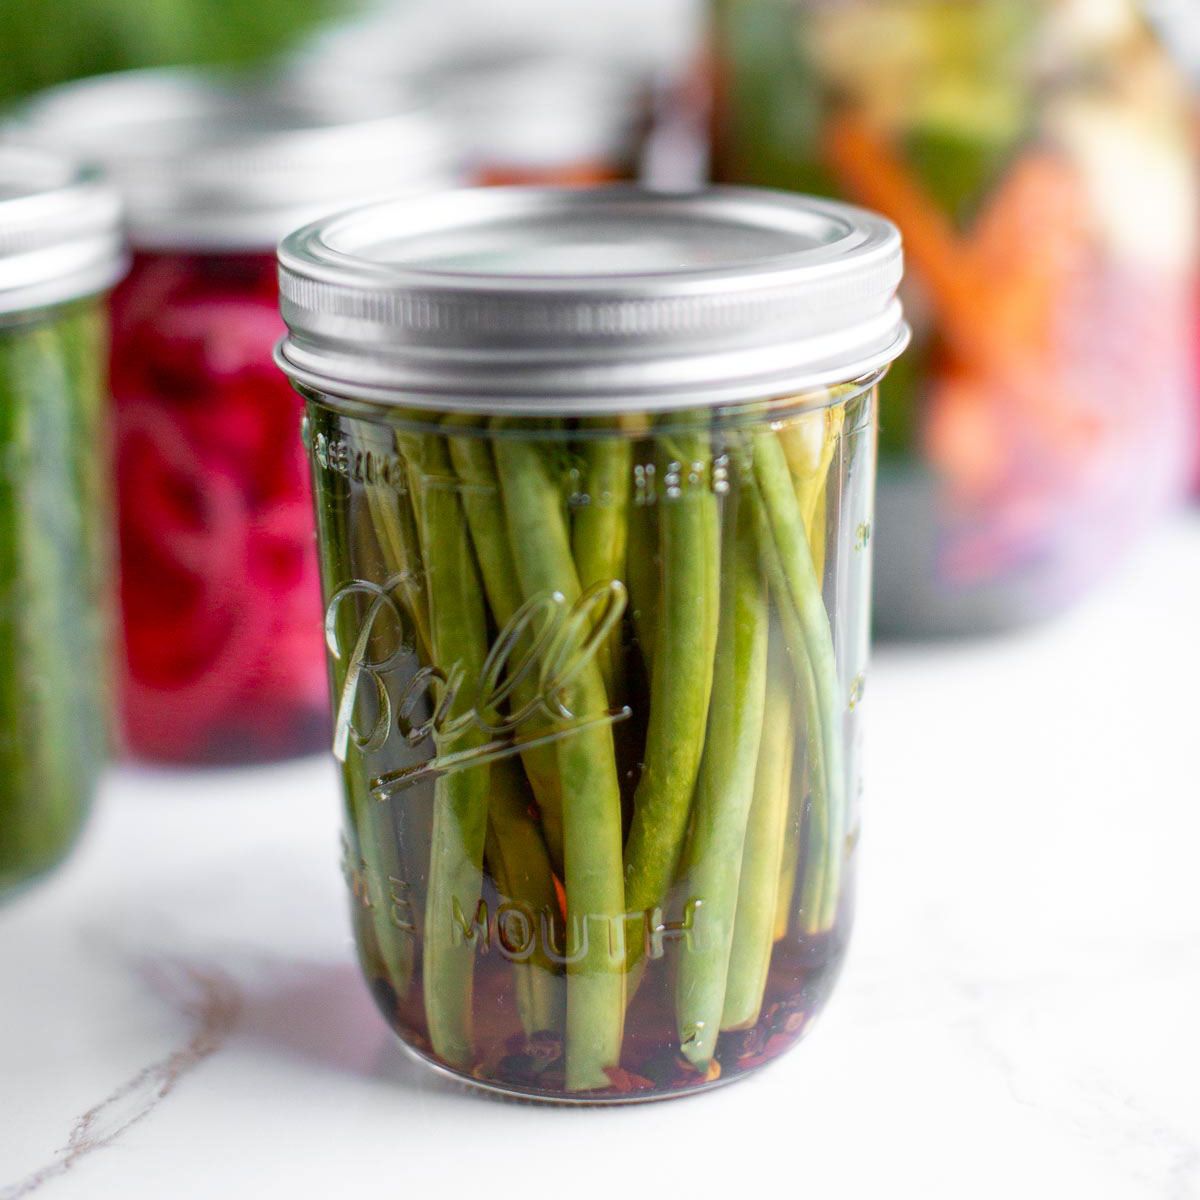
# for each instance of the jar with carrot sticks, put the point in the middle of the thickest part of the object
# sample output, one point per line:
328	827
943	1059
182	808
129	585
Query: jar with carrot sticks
220	599
1035	156
61	250
594	475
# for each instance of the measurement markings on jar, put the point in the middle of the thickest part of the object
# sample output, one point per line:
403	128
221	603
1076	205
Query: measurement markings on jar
359	465
655	483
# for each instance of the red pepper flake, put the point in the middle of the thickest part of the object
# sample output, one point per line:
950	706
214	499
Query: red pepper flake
626	1082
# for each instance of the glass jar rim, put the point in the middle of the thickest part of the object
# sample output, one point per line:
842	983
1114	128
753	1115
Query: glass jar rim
627	422
60	231
213	159
596	300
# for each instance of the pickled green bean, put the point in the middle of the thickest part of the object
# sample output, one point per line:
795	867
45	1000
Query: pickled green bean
643	576
681	676
375	857
784	548
754	928
725	794
600	530
481	502
458	637
591	799
518	862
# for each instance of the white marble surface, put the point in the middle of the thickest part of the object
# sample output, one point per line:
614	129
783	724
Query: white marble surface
180	1015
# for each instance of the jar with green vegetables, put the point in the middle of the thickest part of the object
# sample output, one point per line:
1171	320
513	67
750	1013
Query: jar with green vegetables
60	252
1035	155
594	478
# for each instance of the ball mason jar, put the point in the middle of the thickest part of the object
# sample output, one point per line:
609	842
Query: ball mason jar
60	252
1036	158
220	598
594	478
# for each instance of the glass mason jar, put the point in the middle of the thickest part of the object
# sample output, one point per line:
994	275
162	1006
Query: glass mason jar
544	118
520	110
1035	157
594	475
60	251
1176	23
219	590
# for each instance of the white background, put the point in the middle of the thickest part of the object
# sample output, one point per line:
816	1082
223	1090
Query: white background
180	1015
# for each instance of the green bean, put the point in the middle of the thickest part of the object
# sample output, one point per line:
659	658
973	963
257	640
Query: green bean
376	860
484	510
591	798
789	865
458	637
809	443
754	928
681	676
518	862
725	793
784	548
643	576
600	529
395	534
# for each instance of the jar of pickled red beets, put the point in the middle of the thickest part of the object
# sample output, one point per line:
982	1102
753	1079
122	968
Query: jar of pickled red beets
594	479
61	250
223	658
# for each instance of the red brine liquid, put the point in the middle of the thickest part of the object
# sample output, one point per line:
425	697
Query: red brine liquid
223	656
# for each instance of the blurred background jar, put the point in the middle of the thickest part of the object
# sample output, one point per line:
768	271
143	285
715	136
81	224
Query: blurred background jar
546	118
60	251
537	93
223	658
1036	157
1177	22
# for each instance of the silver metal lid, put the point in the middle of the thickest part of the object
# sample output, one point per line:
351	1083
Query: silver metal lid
205	160
544	300
60	231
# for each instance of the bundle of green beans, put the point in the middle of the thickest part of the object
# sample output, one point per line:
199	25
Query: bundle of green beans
655	585
55	576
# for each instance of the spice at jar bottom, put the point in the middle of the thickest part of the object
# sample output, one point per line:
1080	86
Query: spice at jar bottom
597	663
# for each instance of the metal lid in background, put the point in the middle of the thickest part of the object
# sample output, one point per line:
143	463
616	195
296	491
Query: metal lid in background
204	160
541	111
508	107
538	300
60	231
